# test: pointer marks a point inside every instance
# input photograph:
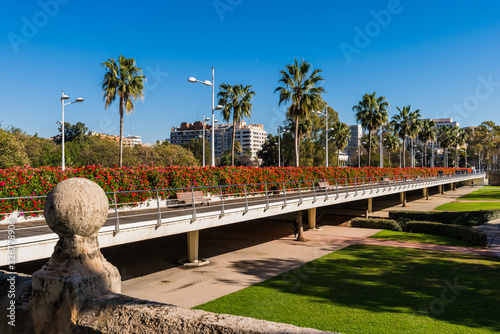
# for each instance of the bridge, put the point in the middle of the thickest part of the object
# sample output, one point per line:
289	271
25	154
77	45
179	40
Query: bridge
136	221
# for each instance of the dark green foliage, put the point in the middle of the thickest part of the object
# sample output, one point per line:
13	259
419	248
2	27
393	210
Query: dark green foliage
465	218
464	233
386	224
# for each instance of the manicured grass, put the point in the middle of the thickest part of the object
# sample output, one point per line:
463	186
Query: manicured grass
419	237
469	206
373	289
488	193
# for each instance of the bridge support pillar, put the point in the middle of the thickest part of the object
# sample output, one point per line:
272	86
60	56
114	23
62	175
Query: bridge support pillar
402	197
369	207
427	193
441	189
193	242
311	218
454	186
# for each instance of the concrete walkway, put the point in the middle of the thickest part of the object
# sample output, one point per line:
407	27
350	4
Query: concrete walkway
244	254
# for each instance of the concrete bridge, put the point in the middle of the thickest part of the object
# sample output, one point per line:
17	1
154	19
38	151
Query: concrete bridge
34	240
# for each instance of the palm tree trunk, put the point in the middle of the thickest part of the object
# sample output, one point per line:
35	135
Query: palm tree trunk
338	158
369	147
456	157
122	103
234	138
297	152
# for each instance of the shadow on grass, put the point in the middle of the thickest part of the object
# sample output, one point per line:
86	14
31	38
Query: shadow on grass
460	289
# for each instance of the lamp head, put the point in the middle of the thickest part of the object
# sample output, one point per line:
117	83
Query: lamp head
64	97
79	99
206	119
207	83
192	79
219	107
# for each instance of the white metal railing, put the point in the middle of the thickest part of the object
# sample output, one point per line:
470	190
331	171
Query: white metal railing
245	196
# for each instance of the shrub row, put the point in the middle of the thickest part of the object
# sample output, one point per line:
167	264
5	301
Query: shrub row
385	224
463	233
465	218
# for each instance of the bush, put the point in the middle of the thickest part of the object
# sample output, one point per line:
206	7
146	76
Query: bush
463	233
464	218
386	224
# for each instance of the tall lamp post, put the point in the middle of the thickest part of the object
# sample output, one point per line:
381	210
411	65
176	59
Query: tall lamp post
212	84
280	131
64	98
203	137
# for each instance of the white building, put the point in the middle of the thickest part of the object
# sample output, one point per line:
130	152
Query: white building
251	136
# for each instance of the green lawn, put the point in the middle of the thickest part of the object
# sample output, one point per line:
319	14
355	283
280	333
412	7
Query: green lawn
373	289
419	237
488	193
469	206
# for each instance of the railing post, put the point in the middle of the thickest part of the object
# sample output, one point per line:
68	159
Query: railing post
221	203
300	195
267	197
194	205
246	199
314	192
378	186
284	193
326	190
158	223
383	185
346	188
371	185
364	190
336	189
117	221
355	187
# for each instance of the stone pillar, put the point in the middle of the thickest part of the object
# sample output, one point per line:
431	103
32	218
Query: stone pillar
300	225
311	218
454	186
441	189
193	241
427	193
75	210
369	206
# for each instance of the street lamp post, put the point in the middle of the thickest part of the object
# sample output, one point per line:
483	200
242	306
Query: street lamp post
359	153
381	147
203	137
280	131
212	84
64	98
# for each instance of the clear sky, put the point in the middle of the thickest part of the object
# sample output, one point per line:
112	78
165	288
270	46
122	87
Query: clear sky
441	57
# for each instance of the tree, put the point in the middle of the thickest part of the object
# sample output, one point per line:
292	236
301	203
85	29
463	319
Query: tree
195	145
427	133
371	112
72	132
237	102
341	135
300	88
391	143
125	80
403	124
269	152
12	151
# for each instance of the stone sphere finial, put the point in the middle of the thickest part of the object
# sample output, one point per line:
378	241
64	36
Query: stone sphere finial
76	206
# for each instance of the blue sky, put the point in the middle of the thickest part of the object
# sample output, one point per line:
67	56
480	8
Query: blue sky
439	57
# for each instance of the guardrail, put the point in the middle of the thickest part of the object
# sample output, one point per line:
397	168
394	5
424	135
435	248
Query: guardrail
244	195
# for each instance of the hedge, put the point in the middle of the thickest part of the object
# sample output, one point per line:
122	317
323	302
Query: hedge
385	224
465	218
464	233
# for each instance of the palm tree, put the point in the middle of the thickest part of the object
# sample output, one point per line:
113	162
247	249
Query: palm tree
391	144
427	134
445	141
342	133
126	80
236	101
300	87
404	125
371	112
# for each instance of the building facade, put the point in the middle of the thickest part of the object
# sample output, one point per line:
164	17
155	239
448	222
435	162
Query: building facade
250	136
